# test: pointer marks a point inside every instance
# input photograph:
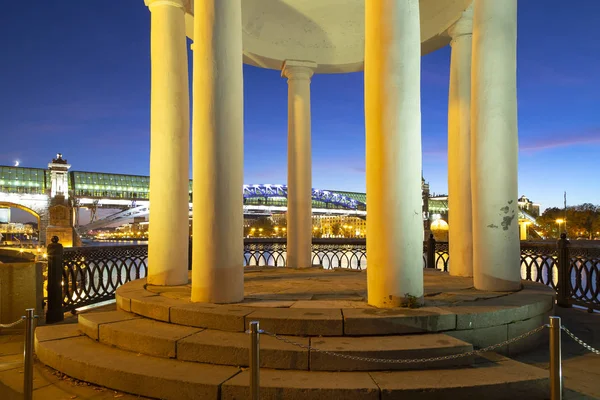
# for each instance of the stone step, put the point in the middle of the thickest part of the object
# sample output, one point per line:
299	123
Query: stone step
80	357
154	338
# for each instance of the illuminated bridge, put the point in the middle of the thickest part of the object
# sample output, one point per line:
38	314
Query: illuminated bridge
32	190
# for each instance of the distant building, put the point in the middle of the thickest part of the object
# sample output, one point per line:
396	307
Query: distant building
529	207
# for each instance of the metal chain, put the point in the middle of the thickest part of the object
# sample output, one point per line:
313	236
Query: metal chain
407	361
17	322
581	342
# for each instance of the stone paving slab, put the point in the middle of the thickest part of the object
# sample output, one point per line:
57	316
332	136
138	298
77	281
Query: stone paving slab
231	348
146	336
84	359
299	322
89	323
300	385
373	321
387	347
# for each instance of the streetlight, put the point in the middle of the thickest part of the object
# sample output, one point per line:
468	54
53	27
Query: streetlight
558	222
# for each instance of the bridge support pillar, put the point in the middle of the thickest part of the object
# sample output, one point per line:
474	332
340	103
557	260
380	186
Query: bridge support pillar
494	146
218	153
169	145
393	152
459	148
299	200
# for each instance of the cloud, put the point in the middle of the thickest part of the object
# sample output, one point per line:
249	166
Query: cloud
552	140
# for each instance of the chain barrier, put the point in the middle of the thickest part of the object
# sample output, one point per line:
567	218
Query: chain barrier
581	342
406	361
17	322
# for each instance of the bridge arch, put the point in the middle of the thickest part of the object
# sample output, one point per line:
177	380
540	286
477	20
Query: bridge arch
23	208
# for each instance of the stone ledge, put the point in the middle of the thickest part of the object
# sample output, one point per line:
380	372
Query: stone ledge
299	322
56	332
303	385
373	321
231	348
145	336
491	381
212	316
387	347
89	323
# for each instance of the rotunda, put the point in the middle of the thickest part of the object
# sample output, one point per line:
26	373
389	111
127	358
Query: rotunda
386	39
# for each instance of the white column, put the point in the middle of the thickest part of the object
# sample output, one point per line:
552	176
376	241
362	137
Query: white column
495	146
299	199
218	153
459	148
169	145
393	151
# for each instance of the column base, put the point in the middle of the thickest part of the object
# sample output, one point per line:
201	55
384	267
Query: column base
396	301
219	285
495	284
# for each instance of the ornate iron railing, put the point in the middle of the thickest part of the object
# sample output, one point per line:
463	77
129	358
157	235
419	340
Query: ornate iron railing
93	274
539	262
583	274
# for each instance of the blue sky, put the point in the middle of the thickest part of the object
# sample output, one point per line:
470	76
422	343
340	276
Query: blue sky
75	79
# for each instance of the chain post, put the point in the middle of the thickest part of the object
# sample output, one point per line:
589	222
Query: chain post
564	265
556	382
254	360
431	251
55	311
28	354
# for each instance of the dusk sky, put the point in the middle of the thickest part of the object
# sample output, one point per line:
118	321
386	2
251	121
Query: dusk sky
75	79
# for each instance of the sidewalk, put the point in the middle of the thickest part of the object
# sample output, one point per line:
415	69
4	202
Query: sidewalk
581	368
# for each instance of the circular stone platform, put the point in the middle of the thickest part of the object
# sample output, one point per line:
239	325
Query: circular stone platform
316	302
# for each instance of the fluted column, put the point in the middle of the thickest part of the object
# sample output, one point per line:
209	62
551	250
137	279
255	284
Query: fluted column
218	153
494	148
299	199
393	151
169	145
459	148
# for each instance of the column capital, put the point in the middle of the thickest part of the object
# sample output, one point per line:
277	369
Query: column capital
297	70
173	3
462	27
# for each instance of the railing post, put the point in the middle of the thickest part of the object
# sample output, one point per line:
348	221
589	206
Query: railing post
564	266
431	251
556	383
254	360
55	311
28	355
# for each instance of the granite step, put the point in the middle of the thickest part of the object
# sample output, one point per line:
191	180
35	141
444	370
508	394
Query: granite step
73	353
160	339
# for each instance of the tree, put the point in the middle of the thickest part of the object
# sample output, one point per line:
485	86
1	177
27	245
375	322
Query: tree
581	221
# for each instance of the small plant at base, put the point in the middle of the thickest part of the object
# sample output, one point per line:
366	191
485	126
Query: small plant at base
410	301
